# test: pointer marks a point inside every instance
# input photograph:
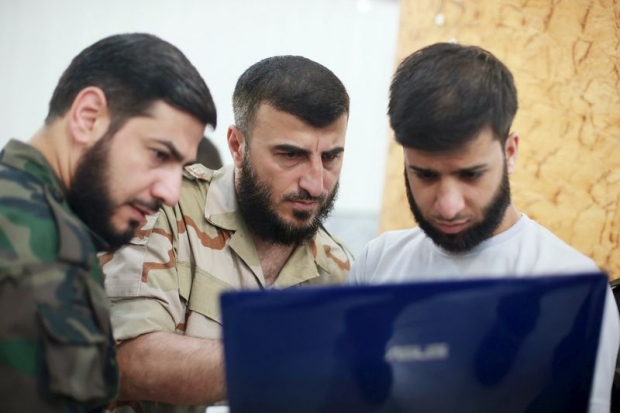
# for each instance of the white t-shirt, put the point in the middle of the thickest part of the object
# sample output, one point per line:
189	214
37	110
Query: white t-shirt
525	249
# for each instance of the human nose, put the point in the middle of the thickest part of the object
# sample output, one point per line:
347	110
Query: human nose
312	178
449	202
168	188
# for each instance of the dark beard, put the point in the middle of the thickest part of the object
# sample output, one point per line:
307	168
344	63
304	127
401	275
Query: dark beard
255	203
89	196
469	238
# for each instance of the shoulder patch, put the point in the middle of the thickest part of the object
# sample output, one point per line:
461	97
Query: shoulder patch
331	237
198	171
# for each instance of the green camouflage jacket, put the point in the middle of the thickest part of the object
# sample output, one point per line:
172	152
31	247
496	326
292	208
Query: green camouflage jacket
169	278
56	348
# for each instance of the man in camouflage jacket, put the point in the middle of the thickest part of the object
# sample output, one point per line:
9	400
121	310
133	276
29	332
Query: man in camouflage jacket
110	152
255	224
56	346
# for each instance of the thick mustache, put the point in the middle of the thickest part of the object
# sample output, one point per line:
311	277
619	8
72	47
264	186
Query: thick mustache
304	196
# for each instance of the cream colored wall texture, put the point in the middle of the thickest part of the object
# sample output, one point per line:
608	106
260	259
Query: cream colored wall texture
565	56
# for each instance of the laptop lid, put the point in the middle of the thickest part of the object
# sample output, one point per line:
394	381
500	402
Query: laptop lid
492	345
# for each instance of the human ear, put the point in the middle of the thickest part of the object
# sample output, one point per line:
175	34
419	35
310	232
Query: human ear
236	144
89	117
511	150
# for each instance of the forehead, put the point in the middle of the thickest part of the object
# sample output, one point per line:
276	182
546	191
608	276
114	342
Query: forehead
274	127
483	149
165	124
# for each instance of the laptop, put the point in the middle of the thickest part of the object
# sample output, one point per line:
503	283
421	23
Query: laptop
484	345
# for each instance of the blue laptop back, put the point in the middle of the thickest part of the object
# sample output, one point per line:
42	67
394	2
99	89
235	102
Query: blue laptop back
493	345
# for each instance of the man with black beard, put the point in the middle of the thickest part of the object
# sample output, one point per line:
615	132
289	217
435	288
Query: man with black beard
256	205
451	108
468	238
125	117
254	224
90	196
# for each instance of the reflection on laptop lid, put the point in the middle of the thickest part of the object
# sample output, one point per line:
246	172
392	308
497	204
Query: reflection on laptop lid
492	345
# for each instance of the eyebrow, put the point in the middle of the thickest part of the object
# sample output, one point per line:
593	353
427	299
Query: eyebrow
289	148
336	151
468	169
292	148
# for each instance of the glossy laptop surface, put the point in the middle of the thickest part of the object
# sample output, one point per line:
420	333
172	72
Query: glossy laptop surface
493	345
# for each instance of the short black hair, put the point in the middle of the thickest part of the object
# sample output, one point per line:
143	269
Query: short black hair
443	95
134	70
291	84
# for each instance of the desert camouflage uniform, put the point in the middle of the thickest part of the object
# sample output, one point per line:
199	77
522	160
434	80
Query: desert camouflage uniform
171	275
56	348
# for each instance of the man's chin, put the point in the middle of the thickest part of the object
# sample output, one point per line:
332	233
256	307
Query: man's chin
119	237
455	247
301	218
457	243
297	225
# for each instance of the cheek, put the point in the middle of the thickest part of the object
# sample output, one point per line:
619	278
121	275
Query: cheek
425	201
130	185
283	182
121	181
480	198
423	195
280	188
331	177
329	182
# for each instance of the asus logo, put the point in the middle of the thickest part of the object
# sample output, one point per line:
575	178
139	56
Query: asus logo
416	352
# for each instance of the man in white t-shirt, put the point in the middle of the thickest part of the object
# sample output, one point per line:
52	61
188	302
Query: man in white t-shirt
451	108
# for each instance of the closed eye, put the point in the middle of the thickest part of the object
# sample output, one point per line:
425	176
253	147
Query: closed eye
290	158
330	156
471	175
423	175
161	156
164	151
291	155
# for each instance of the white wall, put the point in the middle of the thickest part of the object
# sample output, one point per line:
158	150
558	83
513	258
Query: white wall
356	39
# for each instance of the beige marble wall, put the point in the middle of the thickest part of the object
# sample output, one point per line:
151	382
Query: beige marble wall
565	56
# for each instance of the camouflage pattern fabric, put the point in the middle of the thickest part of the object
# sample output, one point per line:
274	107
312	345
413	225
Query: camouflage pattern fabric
171	275
56	348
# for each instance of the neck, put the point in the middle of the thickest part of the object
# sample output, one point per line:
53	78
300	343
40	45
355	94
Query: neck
54	143
272	258
510	218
